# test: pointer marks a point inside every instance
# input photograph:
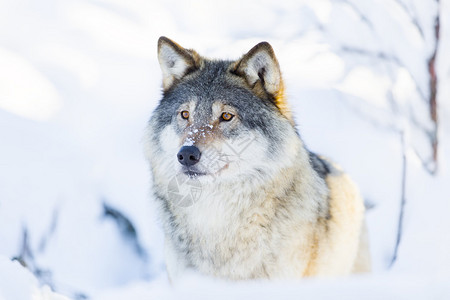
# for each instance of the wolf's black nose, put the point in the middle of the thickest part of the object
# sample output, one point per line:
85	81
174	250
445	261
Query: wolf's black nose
189	155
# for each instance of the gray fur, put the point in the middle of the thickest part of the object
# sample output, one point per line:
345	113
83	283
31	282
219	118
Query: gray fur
256	213
215	82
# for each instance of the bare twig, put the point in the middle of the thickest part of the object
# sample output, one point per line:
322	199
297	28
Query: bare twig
361	15
412	16
25	256
126	227
51	230
433	90
402	202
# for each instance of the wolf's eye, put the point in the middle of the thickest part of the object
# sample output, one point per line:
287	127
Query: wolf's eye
185	114
226	116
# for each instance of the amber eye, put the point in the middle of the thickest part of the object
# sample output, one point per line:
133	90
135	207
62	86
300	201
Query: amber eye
185	114
226	116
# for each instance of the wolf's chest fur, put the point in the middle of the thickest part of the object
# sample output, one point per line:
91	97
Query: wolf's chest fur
244	232
224	240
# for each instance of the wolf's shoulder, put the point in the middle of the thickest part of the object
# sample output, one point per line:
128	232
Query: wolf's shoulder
322	165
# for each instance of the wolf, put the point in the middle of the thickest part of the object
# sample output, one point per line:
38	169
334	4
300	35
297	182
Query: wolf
239	194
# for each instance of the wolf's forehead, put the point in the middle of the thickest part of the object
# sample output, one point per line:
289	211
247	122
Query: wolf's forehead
206	109
213	86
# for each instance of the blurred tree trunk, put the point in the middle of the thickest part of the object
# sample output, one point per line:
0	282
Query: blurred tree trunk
433	90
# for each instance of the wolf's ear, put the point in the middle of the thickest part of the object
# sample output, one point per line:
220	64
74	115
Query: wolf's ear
260	68
175	61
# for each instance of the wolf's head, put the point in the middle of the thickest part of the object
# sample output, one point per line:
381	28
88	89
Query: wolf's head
220	120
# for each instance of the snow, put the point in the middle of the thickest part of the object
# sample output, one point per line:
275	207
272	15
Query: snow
381	286
17	282
79	80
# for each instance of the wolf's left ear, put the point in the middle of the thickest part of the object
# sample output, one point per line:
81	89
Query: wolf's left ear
260	68
175	61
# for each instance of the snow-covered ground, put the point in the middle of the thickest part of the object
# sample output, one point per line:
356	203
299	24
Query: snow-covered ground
78	82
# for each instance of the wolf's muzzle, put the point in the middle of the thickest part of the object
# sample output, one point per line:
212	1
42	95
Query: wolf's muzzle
189	155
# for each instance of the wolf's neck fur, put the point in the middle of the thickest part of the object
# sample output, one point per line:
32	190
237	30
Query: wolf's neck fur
233	225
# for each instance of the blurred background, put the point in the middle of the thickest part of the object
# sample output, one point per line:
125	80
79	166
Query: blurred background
369	84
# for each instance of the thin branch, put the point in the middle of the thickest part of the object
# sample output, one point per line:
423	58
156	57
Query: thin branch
51	230
402	203
25	255
412	16
356	10
433	89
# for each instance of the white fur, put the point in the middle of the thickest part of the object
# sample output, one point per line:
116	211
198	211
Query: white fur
173	65
272	75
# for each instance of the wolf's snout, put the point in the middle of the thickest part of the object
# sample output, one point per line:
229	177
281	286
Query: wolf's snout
189	155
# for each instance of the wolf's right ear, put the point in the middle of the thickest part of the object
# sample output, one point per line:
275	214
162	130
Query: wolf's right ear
175	61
